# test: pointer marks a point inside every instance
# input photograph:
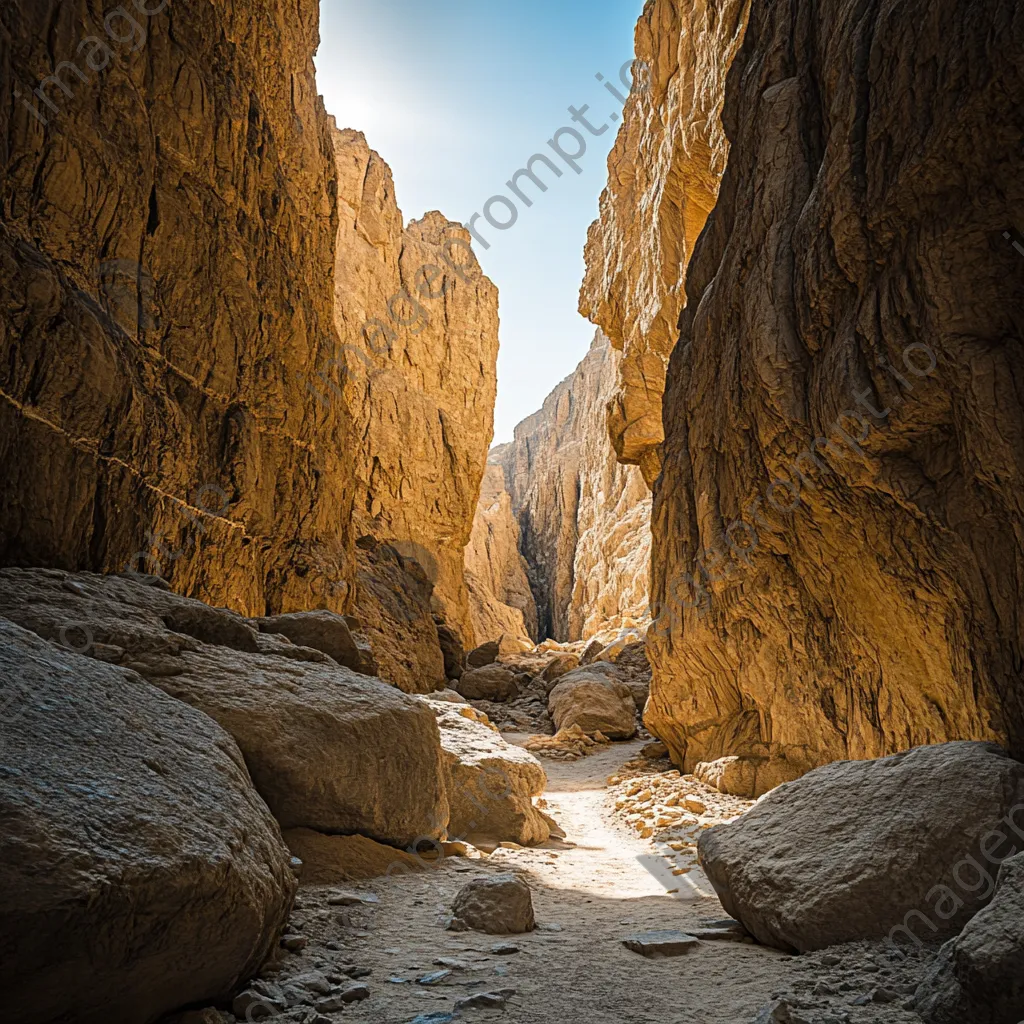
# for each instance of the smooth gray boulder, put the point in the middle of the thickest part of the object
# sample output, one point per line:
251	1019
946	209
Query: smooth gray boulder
892	848
139	869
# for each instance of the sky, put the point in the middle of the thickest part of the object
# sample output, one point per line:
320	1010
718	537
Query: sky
456	96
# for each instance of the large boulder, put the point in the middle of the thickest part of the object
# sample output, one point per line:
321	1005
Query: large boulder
491	682
595	702
485	654
892	848
139	869
558	666
979	976
328	749
491	783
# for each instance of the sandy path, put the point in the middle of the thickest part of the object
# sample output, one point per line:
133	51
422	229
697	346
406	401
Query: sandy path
589	893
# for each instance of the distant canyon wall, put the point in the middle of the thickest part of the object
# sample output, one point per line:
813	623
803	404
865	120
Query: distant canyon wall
223	359
583	520
837	543
663	178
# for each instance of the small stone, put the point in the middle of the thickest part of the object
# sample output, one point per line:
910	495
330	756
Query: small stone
498	905
695	806
504	948
481	1001
884	995
432	1018
660	943
294	943
349	899
831	960
434	977
549	926
357	972
354	993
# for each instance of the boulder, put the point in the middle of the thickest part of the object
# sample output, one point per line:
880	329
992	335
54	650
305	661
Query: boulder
558	666
498	905
891	848
591	651
979	976
491	783
451	649
659	944
736	776
485	654
491	682
322	630
595	703
139	869
312	732
611	652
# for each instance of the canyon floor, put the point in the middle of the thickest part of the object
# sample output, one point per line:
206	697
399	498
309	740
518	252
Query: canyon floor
600	884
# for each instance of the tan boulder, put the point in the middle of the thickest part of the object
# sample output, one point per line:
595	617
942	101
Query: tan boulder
491	783
595	703
330	859
558	666
141	871
491	682
498	905
323	631
311	731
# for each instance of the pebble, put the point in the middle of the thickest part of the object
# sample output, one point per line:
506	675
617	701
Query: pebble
434	977
294	943
504	949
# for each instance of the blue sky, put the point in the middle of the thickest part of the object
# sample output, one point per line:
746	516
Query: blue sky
456	96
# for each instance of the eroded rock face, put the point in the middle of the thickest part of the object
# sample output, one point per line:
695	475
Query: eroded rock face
844	441
312	732
901	848
153	338
663	178
418	323
500	599
584	520
141	871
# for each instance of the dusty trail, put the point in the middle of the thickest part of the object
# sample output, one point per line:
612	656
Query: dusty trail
590	891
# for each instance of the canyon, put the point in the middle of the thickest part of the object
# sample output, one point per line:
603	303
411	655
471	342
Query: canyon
310	696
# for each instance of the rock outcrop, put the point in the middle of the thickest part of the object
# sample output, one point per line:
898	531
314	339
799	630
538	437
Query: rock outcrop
166	266
500	599
837	546
217	336
663	178
900	848
312	732
139	869
418	326
584	520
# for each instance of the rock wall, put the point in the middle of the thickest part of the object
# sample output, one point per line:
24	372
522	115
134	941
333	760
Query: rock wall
166	257
583	519
500	599
418	323
663	177
837	530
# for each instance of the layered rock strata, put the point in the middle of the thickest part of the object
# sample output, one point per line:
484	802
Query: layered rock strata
663	178
416	365
583	519
837	546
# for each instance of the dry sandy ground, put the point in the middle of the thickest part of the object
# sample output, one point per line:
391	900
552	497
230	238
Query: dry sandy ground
600	885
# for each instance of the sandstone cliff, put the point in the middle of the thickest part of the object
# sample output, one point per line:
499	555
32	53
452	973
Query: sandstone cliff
418	323
167	248
500	599
583	519
663	177
837	542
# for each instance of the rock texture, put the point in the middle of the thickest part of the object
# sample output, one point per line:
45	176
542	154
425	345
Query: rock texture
418	324
500	599
139	869
584	520
498	905
979	976
897	848
312	733
663	178
837	543
491	783
595	703
153	338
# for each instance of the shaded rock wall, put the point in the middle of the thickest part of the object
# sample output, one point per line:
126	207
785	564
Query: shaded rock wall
418	323
500	599
663	177
837	541
583	518
166	255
